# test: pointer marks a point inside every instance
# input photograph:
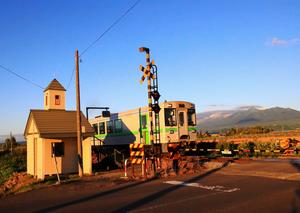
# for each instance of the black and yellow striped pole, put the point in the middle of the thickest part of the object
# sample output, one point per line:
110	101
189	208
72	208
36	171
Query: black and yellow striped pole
149	75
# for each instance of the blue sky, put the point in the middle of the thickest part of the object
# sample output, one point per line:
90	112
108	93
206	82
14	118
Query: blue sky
229	53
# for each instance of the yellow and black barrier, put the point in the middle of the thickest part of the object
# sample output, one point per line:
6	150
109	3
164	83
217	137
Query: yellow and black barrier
137	156
137	153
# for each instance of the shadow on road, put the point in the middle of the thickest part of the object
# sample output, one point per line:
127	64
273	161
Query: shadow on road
94	196
295	163
162	193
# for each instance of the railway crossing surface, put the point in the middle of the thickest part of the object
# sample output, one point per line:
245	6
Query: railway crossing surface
217	190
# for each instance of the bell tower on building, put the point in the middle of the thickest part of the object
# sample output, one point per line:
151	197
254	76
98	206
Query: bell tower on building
55	96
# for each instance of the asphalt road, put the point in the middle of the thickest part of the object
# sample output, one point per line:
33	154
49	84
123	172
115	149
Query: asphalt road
211	192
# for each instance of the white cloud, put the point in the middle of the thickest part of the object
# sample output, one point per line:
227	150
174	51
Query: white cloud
295	41
281	42
246	107
278	42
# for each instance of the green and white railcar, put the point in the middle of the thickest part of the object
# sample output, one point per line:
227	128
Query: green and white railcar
177	124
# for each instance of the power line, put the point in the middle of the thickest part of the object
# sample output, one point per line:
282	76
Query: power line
106	31
71	78
19	76
111	26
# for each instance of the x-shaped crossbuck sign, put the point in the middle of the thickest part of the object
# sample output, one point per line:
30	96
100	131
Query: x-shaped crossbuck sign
146	71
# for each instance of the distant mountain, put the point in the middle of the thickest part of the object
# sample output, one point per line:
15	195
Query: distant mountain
275	118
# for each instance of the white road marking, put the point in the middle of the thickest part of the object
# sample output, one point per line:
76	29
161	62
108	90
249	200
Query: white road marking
212	188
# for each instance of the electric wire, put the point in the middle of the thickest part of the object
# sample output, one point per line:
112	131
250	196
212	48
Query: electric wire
102	34
21	77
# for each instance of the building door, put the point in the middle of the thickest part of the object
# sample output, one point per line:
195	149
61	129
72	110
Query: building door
35	156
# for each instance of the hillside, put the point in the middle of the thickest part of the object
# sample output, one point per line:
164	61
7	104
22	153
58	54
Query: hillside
276	118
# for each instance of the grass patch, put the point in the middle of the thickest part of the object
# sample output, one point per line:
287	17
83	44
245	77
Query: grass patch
10	163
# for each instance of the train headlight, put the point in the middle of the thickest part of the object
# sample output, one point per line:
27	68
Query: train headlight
171	131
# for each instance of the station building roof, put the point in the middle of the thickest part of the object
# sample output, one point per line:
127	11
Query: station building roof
58	123
55	85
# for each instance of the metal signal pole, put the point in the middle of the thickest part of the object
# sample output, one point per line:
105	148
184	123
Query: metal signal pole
153	95
148	74
149	97
78	117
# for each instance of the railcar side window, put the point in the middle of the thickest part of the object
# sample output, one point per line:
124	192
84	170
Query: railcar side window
170	117
144	121
118	125
95	126
102	128
191	117
109	126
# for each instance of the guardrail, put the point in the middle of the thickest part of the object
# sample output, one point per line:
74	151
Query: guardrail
242	151
295	133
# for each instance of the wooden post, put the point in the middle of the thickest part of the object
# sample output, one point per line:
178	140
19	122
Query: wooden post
78	117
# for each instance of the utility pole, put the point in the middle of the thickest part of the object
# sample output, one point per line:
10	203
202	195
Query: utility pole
78	117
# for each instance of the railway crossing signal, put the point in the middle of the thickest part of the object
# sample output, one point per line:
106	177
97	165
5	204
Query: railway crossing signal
155	95
156	108
147	73
150	72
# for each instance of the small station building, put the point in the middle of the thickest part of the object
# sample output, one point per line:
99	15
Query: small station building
51	136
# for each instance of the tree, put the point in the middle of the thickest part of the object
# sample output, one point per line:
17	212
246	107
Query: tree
10	142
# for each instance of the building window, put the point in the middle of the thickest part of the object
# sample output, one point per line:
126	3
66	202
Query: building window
118	125
57	100
109	126
102	128
58	149
46	100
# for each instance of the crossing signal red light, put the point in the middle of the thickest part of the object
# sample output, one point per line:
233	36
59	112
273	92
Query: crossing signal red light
156	108
155	95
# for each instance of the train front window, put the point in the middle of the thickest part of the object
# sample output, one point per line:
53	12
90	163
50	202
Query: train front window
181	118
95	126
101	128
118	125
191	117
170	117
109	126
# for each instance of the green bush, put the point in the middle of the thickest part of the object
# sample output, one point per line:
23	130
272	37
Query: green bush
263	145
246	145
274	146
10	164
226	145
